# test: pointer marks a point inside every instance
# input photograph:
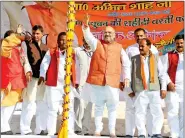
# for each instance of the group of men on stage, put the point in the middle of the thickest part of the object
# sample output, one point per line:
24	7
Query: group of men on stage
35	72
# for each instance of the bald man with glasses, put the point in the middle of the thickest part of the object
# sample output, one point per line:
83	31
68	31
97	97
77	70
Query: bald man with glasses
103	81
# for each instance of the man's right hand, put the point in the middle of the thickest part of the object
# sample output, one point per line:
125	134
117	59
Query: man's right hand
171	87
86	19
41	80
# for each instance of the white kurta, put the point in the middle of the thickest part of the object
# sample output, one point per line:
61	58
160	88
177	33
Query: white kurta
32	96
82	108
130	109
179	73
174	100
104	94
60	82
83	60
59	91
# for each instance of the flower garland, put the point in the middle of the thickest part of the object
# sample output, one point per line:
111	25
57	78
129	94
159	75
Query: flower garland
63	131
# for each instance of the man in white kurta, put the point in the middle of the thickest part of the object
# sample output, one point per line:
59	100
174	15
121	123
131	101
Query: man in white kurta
99	94
130	110
82	108
33	94
150	94
174	99
54	94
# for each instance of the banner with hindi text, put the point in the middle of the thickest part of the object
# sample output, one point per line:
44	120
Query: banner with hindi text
163	20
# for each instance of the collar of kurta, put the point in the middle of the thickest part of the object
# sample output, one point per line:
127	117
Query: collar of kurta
62	51
175	51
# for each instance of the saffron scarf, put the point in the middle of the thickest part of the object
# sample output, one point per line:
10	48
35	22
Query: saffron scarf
151	69
8	44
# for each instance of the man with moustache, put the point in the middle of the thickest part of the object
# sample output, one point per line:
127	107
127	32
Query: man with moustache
82	108
33	94
174	66
131	51
53	72
103	81
149	85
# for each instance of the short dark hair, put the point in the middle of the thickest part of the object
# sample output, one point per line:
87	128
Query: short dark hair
61	34
8	33
148	42
139	29
180	36
38	27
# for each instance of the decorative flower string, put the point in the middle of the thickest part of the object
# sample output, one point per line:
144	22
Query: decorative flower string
63	131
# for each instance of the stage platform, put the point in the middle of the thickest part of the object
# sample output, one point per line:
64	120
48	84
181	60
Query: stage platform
70	136
34	136
120	124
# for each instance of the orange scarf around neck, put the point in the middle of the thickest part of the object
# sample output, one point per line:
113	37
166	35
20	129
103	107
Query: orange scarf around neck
151	69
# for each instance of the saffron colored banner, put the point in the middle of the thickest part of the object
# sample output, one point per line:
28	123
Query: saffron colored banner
162	20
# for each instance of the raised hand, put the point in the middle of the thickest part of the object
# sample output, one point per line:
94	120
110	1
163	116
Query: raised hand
86	19
19	29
